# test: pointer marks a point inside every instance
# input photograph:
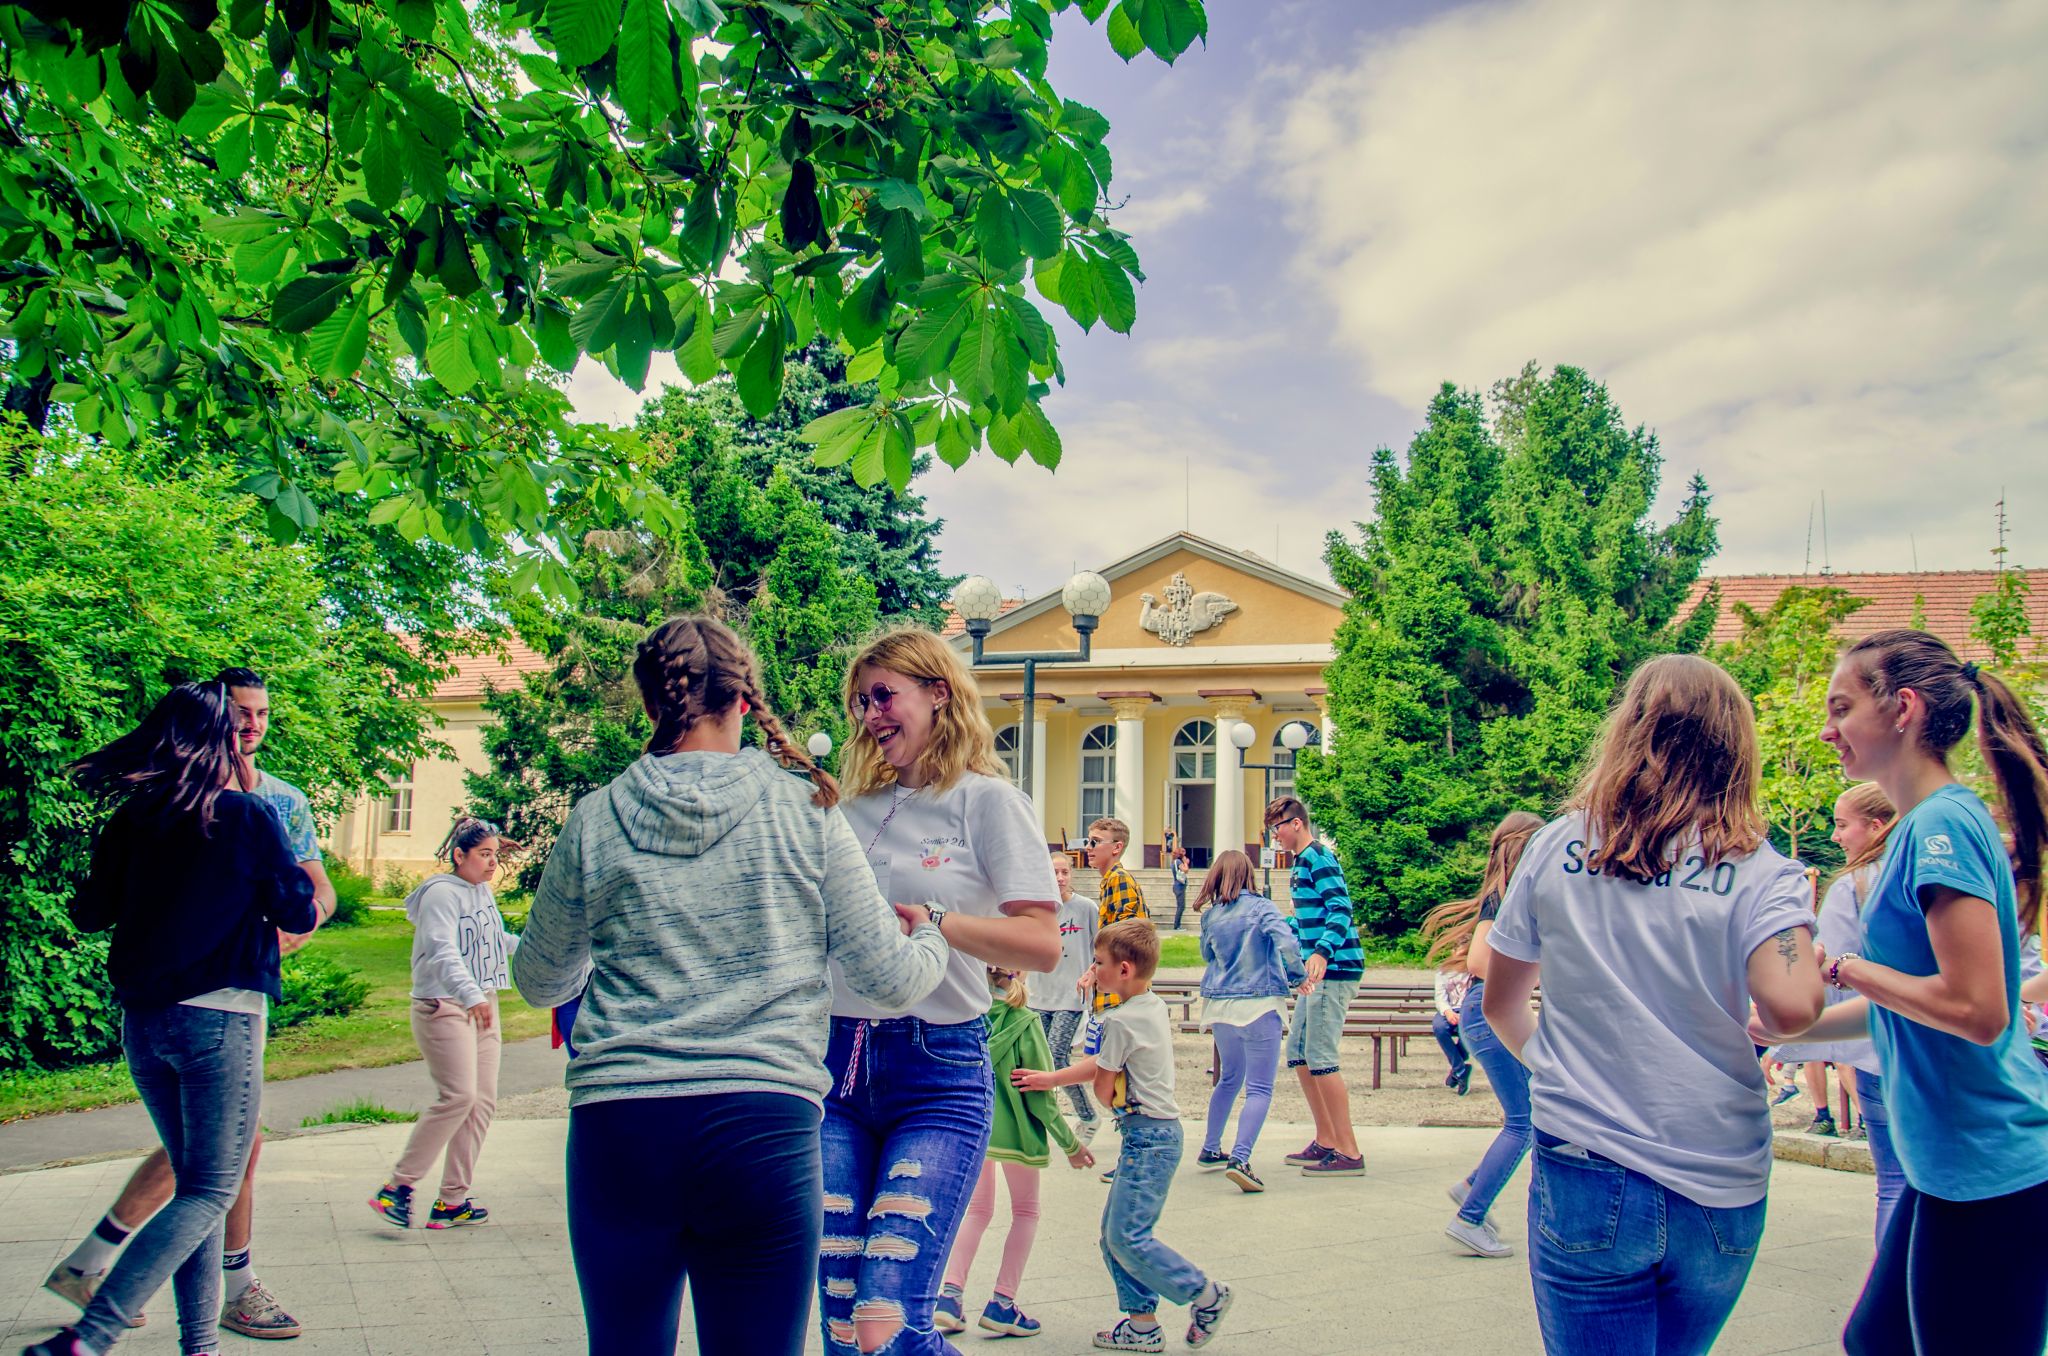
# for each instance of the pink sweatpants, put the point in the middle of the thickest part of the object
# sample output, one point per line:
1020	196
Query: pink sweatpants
981	1210
462	1058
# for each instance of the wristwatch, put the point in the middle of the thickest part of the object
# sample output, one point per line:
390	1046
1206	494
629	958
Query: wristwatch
938	913
1835	968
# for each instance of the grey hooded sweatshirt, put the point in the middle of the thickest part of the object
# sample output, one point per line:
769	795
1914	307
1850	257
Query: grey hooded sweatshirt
699	897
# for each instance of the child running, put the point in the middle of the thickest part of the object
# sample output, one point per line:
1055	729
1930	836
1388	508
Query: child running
1024	1122
1133	1075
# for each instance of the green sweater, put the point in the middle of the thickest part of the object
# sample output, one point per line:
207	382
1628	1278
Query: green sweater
1024	1121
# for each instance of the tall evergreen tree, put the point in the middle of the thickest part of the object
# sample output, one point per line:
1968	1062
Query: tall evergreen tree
1508	579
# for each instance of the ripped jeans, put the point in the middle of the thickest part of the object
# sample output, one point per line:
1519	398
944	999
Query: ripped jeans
906	1126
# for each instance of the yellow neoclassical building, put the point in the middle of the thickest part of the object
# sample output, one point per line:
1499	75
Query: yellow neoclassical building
1195	640
1140	731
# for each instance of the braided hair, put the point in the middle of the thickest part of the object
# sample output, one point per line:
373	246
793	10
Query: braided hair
691	668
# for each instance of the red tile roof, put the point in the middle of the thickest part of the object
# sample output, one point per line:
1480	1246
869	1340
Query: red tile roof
1945	599
955	627
474	671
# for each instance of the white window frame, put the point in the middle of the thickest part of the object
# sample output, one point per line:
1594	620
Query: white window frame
398	802
1198	747
1099	741
1283	757
1008	751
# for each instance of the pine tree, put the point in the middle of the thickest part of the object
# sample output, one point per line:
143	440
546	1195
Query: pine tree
1508	580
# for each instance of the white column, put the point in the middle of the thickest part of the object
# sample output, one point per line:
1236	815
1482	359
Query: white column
1037	720
1130	764
1229	825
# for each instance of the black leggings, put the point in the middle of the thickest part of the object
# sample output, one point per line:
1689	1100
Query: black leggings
1940	1275
724	1190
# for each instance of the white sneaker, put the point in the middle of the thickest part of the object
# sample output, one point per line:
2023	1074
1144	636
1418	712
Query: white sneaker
1089	1129
1478	1239
1459	1191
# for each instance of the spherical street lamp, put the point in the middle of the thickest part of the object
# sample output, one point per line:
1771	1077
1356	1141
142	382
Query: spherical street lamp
819	745
978	600
1086	595
1295	737
1241	734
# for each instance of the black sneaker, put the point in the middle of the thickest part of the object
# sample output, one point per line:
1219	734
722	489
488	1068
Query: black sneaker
1464	1083
1823	1125
394	1203
1241	1173
1212	1160
463	1213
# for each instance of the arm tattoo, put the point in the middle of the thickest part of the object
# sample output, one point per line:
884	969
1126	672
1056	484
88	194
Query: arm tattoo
1788	947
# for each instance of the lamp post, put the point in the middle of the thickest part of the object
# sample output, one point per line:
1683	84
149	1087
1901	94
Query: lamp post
979	602
1294	738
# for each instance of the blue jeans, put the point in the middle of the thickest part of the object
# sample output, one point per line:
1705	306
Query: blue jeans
200	1074
906	1126
1510	1083
1877	1124
1623	1266
1142	1267
1447	1040
1247	1058
1318	1022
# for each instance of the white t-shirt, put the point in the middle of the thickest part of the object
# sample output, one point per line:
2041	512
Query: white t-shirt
972	849
1642	1051
1055	991
1137	1041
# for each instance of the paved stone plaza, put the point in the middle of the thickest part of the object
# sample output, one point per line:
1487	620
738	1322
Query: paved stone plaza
1319	1267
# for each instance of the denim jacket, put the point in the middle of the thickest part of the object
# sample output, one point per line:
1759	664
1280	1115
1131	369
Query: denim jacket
1249	949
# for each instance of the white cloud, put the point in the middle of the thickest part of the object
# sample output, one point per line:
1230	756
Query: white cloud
598	397
1808	244
1154	212
1132	475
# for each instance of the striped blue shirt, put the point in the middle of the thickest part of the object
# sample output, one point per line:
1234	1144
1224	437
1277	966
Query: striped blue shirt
1322	913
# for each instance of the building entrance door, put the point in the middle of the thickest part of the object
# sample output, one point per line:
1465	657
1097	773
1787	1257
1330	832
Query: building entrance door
1194	808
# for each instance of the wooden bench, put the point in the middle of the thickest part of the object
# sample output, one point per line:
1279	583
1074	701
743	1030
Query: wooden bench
1385	1014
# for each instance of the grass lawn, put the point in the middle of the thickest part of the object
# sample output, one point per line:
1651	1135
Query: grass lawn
376	1034
1183	950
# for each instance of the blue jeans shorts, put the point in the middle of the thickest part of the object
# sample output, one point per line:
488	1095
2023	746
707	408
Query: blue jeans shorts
1318	1022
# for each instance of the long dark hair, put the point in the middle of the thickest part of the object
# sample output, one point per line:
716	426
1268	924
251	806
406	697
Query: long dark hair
464	836
1890	662
689	668
177	761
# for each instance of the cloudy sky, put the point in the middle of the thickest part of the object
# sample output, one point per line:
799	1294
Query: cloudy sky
1808	245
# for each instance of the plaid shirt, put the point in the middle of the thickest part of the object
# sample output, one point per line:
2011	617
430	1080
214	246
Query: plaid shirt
1121	899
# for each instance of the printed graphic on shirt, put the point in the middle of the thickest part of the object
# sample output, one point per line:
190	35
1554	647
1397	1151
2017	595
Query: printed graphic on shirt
1938	845
294	815
1692	873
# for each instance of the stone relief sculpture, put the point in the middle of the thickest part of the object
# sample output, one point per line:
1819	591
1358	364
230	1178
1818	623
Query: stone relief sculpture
1186	613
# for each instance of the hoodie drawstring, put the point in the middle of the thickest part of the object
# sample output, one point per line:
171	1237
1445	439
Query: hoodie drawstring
853	1059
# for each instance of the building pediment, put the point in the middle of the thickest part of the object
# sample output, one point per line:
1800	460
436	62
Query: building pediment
1186	594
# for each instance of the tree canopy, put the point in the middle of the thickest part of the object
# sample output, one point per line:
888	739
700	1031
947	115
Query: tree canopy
1508	578
351	244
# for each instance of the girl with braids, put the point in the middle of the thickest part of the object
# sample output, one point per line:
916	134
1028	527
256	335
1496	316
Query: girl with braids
909	1115
1459	931
195	879
1938	978
1655	911
460	957
695	903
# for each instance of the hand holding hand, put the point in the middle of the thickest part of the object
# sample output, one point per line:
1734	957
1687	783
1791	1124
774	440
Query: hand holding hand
288	942
1081	1157
1031	1080
1317	964
911	916
481	1015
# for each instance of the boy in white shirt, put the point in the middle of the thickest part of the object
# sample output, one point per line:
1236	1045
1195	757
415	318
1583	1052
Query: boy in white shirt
1133	1076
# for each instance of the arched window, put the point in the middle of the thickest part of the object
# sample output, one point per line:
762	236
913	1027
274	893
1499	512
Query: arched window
1283	757
1006	751
1194	752
1098	774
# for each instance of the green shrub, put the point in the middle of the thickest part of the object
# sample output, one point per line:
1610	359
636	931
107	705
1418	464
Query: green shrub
398	882
352	891
317	987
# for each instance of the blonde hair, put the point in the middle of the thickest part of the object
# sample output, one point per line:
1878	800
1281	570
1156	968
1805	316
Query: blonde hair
1868	800
1230	875
1134	942
961	742
1009	986
1448	928
1677	756
1119	831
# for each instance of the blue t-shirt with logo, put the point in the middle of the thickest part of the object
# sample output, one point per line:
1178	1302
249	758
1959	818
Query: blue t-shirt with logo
1969	1121
294	815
